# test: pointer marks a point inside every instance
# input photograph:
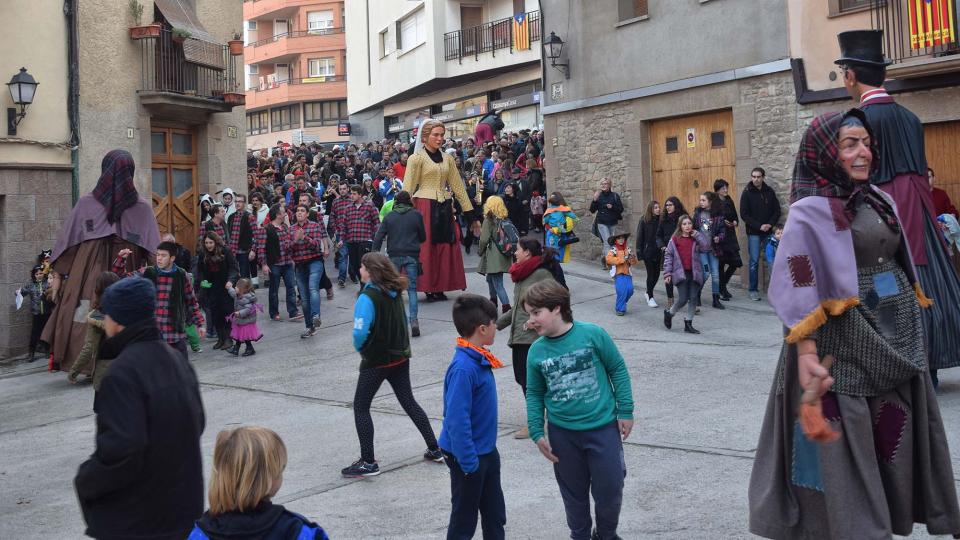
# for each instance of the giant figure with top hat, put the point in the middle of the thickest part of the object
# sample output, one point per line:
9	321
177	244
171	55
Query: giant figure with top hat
903	175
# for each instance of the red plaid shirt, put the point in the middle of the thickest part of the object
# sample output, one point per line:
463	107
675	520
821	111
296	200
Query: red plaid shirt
260	239
357	222
163	314
209	225
234	241
311	245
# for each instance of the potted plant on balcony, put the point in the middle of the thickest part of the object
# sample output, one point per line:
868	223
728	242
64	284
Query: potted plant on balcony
236	45
179	35
138	31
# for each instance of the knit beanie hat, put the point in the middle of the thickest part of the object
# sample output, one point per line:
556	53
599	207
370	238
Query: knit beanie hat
130	300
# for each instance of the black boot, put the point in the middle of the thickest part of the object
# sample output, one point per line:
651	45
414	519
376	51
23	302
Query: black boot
716	302
235	350
33	356
688	328
725	294
667	319
494	300
248	350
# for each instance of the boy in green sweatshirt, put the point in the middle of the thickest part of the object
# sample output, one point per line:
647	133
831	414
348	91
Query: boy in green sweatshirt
576	373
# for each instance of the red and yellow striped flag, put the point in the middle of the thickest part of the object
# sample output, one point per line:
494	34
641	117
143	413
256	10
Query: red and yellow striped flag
521	32
932	22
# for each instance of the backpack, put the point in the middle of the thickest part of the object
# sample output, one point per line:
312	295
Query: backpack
507	237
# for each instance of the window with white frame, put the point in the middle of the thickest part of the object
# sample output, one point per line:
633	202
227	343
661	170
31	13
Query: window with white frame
251	25
321	67
319	21
254	69
387	42
413	30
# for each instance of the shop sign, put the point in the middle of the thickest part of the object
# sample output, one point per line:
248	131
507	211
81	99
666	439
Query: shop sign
516	102
343	129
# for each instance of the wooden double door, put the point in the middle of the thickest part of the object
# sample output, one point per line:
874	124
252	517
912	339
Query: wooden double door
689	153
174	182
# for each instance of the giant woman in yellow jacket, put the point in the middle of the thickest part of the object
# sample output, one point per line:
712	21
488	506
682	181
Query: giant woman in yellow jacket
431	178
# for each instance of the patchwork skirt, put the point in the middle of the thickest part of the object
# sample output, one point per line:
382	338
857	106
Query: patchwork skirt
890	468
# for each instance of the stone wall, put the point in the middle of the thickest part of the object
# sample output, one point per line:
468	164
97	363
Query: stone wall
33	204
611	141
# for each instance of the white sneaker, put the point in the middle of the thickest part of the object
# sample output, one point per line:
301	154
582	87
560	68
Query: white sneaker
651	302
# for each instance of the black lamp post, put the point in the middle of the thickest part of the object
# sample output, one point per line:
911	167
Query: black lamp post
23	87
553	47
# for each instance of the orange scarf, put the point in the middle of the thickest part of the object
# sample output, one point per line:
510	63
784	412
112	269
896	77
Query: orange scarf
494	361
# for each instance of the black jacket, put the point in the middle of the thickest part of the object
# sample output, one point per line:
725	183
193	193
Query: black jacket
759	207
404	229
730	245
607	216
145	478
515	211
245	242
666	228
647	248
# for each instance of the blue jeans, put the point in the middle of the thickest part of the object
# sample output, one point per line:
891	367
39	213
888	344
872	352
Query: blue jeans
495	284
623	284
755	244
343	264
410	267
711	265
284	271
308	280
243	264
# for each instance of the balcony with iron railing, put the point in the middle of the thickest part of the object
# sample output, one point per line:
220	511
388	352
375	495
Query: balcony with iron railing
490	37
921	38
289	45
184	78
278	92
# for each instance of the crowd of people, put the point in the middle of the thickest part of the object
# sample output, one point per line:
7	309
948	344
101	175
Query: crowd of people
857	297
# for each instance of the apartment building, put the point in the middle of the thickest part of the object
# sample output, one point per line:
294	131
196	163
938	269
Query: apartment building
662	115
447	59
295	70
164	88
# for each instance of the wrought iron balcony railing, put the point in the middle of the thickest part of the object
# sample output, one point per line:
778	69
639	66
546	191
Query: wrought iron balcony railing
191	67
489	37
917	29
297	34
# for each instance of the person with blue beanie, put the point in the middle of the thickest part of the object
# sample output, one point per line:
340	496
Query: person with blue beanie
145	478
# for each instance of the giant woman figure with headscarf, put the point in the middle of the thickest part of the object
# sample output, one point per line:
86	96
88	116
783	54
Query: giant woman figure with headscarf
110	218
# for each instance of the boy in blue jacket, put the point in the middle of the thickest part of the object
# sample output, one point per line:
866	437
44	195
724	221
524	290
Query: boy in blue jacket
468	438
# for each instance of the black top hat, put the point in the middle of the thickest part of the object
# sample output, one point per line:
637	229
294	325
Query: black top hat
862	47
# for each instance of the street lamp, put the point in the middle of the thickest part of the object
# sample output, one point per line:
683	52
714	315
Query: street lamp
22	89
554	46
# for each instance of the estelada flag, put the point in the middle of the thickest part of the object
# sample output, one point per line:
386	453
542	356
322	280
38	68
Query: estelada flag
932	22
521	32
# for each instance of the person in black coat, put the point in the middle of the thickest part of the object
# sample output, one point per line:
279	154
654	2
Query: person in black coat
515	211
730	259
648	248
217	267
145	478
760	210
669	217
608	207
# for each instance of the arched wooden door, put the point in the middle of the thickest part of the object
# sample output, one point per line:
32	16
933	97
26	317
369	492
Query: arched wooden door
174	181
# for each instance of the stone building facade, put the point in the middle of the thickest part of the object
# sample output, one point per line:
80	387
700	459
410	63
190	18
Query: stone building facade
99	90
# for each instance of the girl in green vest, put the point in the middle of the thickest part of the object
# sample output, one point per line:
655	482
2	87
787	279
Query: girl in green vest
380	335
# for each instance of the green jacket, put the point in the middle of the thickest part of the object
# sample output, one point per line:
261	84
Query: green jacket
491	260
517	316
90	352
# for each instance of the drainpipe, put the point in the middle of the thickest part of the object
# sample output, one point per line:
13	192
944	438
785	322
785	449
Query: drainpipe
73	108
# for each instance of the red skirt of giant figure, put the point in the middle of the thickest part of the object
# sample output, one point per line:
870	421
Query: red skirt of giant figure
442	263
